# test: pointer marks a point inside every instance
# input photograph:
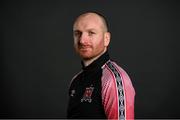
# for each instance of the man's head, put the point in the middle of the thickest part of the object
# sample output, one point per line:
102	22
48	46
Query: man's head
91	36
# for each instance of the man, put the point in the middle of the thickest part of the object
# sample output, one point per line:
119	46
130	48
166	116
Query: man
102	89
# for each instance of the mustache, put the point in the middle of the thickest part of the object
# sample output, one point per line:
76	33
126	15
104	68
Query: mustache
84	45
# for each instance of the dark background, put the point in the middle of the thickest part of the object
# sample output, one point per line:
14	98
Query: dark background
38	59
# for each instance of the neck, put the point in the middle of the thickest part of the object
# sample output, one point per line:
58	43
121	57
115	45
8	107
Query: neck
89	61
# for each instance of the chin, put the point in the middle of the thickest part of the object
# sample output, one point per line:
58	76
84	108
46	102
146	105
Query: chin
86	57
89	55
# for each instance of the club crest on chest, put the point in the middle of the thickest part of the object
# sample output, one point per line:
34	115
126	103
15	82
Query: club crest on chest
87	94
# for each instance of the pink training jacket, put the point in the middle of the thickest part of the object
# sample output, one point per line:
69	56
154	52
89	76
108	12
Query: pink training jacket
117	92
102	90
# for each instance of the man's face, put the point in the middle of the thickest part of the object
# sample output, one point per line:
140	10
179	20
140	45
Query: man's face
90	38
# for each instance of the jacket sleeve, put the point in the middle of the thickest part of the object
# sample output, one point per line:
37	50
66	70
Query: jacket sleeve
117	93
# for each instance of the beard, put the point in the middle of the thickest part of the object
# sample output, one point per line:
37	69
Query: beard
85	52
88	52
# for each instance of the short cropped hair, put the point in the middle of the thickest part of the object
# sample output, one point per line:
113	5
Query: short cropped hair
102	17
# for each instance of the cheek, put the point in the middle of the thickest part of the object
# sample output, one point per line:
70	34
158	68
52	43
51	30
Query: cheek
75	46
99	45
101	42
75	43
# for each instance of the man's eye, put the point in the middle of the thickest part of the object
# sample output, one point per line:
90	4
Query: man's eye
91	33
77	34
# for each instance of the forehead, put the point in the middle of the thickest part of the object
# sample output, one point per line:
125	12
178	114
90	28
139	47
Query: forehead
88	21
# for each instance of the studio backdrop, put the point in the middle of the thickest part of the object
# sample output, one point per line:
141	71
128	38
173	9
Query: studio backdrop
38	59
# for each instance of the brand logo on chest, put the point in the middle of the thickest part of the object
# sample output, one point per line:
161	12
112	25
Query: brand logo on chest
87	94
72	93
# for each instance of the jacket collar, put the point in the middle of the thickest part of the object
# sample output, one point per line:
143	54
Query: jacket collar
98	63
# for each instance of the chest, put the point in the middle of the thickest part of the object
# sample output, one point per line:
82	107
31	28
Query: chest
86	88
85	100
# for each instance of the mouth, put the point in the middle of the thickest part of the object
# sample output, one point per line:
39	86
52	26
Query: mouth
84	47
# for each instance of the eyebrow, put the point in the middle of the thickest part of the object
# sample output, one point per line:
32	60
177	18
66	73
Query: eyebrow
76	31
90	29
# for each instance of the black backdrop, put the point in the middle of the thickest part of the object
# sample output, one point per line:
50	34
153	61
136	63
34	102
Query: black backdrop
38	60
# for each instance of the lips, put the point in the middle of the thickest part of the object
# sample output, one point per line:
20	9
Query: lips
84	47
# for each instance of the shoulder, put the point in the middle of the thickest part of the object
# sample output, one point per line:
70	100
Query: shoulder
111	69
75	77
114	69
108	73
113	72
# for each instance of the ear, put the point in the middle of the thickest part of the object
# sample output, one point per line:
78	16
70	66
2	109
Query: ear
107	37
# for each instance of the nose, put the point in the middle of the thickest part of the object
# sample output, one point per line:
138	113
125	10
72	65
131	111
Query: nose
83	39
